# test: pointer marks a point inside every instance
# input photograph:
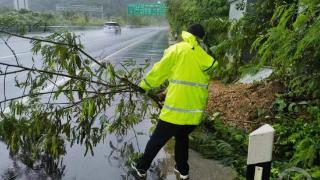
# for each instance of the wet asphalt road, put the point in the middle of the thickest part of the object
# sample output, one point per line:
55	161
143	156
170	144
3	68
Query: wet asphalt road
108	162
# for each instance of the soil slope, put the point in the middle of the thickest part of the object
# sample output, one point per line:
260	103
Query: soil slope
242	105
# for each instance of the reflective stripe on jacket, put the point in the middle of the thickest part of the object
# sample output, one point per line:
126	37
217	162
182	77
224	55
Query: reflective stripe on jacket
185	66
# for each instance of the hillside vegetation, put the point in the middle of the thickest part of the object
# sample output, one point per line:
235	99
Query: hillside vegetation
24	20
111	7
44	11
275	33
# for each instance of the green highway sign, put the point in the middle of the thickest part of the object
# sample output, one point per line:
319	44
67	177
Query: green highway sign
147	9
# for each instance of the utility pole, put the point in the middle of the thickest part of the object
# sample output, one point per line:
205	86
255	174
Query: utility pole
102	12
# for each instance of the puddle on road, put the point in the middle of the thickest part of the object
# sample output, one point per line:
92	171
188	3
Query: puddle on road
110	156
108	162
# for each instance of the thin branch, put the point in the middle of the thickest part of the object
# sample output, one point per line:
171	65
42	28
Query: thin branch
4	85
136	137
26	81
124	68
29	95
12	51
33	38
77	103
12	72
58	103
25	89
54	73
2	114
124	90
55	85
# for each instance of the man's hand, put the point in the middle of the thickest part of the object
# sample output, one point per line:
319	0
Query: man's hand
162	96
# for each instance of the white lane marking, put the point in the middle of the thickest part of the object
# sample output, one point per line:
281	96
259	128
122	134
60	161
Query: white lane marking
60	82
11	56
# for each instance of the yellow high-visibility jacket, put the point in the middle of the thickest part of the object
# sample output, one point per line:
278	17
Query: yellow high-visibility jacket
185	65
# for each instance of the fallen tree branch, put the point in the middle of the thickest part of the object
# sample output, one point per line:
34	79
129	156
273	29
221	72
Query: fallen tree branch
127	81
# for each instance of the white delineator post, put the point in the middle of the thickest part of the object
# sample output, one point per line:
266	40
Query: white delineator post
260	153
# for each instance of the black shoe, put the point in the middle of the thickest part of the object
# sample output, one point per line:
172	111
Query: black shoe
182	176
141	173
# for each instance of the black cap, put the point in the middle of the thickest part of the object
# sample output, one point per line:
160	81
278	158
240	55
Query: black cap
197	30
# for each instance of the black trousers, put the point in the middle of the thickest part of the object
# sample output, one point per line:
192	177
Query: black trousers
163	132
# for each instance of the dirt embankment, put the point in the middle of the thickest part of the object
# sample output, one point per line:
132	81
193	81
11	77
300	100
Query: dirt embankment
242	105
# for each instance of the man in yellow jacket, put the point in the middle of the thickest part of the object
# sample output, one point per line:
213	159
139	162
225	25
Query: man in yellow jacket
186	65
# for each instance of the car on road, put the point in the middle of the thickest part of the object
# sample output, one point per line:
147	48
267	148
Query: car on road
113	27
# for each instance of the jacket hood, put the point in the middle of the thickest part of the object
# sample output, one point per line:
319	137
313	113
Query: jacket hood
189	38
